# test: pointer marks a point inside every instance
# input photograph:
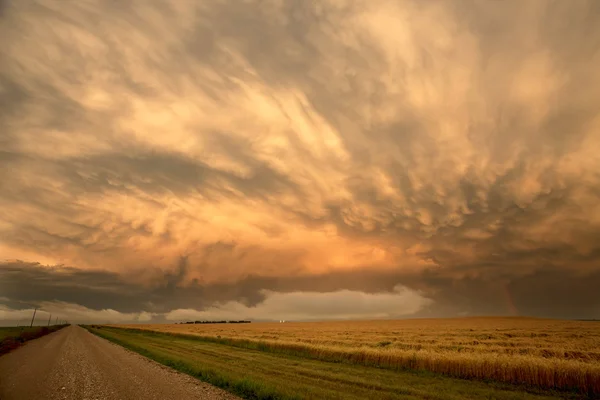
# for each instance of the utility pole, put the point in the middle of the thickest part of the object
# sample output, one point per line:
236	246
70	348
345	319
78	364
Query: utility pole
32	318
56	321
49	318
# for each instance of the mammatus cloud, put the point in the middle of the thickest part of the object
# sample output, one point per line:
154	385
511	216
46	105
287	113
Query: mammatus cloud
184	154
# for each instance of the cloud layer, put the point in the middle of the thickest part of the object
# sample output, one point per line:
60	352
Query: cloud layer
173	155
343	304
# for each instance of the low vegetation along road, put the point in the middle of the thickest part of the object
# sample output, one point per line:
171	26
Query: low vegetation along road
74	364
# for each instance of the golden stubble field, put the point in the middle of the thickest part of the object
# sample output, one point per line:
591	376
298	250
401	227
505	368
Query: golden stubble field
539	352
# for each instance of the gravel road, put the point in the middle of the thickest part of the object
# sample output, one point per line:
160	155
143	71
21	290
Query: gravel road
74	364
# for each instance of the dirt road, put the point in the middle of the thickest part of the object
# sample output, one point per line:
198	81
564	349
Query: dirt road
74	364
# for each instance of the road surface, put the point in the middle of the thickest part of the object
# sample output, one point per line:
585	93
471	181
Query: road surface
74	364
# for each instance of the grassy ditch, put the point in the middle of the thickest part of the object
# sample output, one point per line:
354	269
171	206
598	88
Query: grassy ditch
13	337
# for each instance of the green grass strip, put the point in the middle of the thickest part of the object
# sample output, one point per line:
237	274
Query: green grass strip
243	387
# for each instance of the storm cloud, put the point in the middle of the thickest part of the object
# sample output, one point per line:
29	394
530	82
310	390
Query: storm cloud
225	156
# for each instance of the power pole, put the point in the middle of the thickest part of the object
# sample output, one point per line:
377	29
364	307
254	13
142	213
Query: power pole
56	321
49	318
32	318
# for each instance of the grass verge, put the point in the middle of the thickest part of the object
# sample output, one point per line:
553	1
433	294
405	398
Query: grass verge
255	374
13	337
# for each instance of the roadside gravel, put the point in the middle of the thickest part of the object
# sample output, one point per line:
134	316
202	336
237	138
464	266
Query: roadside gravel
74	364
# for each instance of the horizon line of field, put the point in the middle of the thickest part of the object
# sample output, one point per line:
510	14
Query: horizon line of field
547	375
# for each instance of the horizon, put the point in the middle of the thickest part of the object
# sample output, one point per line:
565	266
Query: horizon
40	321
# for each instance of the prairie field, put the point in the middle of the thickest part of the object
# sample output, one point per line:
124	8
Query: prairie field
543	353
16	331
257	373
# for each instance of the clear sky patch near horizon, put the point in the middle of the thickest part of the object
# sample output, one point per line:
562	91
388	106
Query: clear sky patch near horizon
172	160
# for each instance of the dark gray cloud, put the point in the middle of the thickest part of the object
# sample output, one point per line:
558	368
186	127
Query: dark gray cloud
549	292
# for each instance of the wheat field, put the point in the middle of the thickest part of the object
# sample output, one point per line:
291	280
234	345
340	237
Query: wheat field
538	352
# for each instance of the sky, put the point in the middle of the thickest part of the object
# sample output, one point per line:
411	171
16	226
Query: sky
163	161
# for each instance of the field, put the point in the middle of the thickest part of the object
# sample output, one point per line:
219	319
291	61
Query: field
13	337
537	353
259	374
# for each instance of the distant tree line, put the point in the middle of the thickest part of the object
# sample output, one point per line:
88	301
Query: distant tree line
215	322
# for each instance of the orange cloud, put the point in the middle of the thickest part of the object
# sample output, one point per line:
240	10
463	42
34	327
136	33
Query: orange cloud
388	136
